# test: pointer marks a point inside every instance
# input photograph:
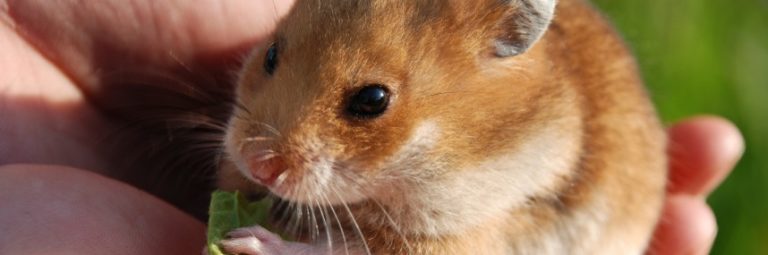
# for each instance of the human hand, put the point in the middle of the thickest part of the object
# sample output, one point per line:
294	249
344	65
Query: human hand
68	47
702	151
58	59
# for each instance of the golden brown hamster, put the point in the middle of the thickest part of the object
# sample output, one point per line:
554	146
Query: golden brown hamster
446	127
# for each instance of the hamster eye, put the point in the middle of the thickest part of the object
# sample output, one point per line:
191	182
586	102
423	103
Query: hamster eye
270	60
370	101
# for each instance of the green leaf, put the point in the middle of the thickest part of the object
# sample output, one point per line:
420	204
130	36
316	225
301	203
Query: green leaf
230	210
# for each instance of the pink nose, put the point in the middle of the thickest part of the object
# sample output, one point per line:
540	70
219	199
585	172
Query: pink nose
267	171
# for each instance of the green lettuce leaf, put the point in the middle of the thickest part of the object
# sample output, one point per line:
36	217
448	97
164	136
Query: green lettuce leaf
230	210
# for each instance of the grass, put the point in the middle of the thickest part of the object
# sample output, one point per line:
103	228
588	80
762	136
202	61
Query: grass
711	57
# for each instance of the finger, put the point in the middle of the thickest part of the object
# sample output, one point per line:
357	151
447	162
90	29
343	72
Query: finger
702	151
687	227
43	116
59	210
88	38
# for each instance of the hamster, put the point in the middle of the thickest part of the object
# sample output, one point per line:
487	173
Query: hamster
446	127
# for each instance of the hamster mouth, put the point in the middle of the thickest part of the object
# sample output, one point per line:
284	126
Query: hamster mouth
318	181
306	172
267	170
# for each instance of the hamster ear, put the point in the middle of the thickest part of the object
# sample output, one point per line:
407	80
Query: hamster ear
523	25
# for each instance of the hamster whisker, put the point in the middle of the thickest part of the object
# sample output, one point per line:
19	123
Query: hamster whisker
266	155
211	137
354	222
338	223
315	231
214	145
271	129
295	226
324	217
355	179
395	226
358	186
258	139
282	208
300	228
252	139
197	120
239	105
238	115
306	223
286	215
305	218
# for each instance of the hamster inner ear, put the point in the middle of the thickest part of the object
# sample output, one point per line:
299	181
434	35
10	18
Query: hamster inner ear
523	24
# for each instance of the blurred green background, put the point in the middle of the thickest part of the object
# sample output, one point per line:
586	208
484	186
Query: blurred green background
711	56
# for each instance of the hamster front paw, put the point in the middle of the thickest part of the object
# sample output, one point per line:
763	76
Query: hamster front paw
257	240
254	240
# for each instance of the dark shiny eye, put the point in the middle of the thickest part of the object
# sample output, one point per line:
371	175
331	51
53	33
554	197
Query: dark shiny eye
270	60
370	101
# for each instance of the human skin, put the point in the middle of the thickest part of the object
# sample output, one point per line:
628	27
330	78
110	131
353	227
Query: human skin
703	151
54	53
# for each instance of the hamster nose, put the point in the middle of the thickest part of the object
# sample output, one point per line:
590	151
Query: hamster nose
266	171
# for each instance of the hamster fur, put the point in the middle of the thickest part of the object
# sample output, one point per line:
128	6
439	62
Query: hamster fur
512	127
